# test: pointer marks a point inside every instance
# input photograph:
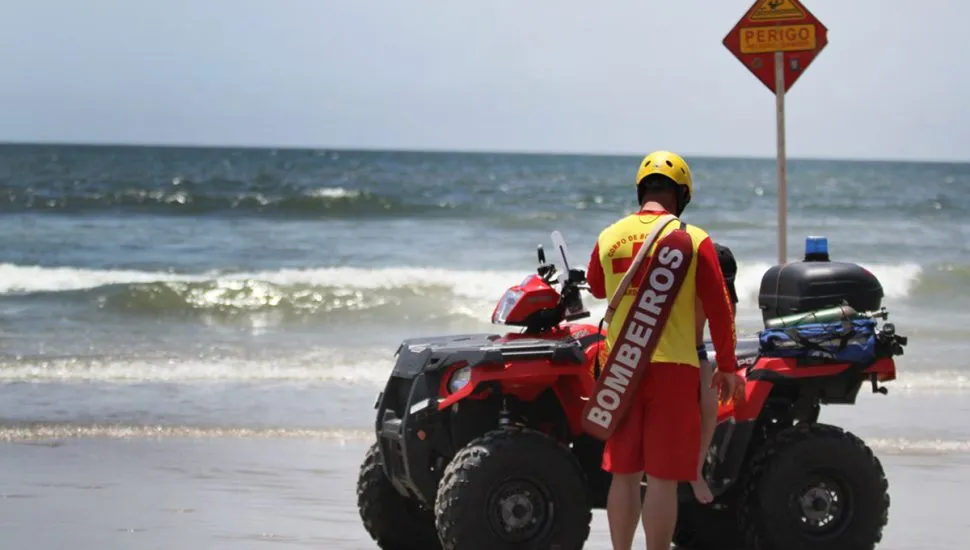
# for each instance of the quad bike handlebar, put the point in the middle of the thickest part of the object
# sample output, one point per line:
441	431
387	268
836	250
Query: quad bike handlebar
576	277
570	301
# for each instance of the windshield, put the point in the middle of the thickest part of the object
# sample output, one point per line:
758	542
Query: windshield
561	257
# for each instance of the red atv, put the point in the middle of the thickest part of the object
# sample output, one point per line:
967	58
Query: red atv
479	445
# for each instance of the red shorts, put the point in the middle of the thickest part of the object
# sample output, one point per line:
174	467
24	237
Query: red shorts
661	432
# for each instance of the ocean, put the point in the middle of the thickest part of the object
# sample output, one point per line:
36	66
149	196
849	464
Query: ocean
151	292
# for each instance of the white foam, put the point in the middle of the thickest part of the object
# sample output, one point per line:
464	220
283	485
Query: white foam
356	366
904	446
940	381
45	431
39	431
333	193
475	284
898	280
479	289
15	279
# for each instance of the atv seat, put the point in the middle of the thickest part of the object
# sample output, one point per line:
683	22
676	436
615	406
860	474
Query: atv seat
747	351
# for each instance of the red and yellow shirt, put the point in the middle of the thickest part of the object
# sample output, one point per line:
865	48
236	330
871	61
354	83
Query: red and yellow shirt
611	257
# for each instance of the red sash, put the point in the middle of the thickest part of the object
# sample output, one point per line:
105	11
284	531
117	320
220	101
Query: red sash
638	337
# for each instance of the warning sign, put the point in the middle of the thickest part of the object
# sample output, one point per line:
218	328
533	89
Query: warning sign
777	10
770	27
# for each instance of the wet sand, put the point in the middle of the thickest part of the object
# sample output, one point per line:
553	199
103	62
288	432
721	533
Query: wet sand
239	493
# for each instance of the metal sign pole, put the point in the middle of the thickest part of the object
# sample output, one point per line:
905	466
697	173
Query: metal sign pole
783	31
782	183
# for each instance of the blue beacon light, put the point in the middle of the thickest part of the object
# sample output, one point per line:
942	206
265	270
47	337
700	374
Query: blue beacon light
816	249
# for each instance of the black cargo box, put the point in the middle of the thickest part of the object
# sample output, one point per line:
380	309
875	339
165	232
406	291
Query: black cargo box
799	287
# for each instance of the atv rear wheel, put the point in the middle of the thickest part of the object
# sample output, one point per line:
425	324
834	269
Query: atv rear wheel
812	487
513	488
393	521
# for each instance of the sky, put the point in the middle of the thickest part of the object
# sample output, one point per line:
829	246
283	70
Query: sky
615	77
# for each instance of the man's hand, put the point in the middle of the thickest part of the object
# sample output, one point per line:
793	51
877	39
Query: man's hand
729	386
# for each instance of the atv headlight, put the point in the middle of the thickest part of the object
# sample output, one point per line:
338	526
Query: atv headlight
459	379
505	305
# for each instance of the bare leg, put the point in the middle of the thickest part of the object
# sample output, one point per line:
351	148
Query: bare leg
623	508
708	422
660	513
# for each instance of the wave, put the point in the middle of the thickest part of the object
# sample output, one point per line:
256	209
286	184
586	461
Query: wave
905	446
187	199
45	431
327	365
368	366
899	281
298	292
40	431
335	290
17	279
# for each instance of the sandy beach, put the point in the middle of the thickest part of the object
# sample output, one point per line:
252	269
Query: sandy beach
132	490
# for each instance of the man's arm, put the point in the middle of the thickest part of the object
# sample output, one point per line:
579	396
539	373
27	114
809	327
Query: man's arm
713	293
594	275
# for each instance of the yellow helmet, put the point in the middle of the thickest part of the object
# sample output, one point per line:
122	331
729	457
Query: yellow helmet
671	169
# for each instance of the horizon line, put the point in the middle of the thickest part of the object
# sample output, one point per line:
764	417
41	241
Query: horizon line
446	151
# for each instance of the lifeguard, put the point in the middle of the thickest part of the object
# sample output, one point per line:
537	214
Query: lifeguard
646	402
639	339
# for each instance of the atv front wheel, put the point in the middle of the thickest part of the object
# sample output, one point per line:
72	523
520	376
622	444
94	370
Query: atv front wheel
393	521
813	487
513	488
